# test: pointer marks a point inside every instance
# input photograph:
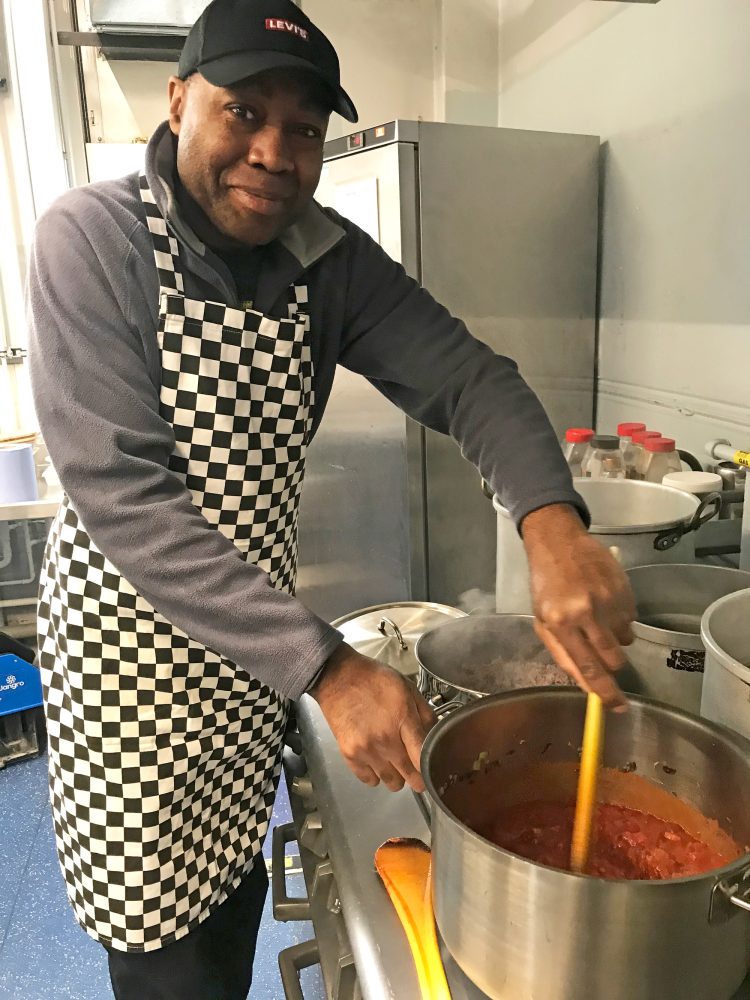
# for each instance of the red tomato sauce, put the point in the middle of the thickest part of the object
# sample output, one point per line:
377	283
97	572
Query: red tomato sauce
627	843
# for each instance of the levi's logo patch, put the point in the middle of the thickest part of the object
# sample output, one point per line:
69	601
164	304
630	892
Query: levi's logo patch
279	24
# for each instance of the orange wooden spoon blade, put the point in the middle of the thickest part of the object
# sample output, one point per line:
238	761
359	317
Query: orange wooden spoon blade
404	865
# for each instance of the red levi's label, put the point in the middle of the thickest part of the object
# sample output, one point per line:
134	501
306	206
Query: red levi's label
278	24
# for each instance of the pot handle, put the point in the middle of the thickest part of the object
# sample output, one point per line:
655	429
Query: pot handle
741	899
395	632
708	508
730	894
441	708
690	460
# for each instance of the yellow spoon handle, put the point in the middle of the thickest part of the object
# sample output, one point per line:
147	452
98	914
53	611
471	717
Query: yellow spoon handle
591	757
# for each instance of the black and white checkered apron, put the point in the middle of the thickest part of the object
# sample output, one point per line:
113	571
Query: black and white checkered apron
163	755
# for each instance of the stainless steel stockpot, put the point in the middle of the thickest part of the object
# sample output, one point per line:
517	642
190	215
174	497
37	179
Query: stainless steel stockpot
647	522
725	630
466	659
666	659
522	931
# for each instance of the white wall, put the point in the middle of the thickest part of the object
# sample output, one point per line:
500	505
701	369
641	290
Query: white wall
466	61
667	87
386	52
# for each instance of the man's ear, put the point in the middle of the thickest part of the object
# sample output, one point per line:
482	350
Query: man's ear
177	93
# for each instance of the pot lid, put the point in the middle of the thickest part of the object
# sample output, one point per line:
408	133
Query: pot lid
389	632
694	482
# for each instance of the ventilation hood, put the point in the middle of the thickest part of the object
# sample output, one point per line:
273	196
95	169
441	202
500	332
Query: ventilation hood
144	17
137	29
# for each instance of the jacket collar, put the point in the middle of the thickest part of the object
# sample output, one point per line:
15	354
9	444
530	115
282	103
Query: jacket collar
307	240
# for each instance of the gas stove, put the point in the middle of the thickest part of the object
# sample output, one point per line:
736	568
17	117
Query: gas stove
339	823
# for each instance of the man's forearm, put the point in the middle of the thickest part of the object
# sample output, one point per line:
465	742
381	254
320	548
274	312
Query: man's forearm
554	519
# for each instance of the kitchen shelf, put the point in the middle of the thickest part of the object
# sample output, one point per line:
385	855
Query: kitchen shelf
30	509
161	47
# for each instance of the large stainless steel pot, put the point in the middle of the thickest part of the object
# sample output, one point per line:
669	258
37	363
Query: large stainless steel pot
466	659
522	931
647	522
726	684
667	656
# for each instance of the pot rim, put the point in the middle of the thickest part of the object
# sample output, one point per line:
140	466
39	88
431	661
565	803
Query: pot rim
720	655
673	637
628	529
667	637
477	695
435	801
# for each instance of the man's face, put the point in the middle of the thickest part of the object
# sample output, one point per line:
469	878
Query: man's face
250	154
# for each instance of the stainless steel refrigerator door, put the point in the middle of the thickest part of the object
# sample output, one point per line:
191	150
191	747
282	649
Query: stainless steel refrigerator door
509	223
362	518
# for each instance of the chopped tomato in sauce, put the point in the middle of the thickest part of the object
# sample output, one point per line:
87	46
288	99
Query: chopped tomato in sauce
627	843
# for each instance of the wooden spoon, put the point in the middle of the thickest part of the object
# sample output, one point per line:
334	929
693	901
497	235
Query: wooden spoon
588	779
404	865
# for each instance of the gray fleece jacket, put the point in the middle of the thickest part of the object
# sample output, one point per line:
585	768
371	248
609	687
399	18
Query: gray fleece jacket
93	305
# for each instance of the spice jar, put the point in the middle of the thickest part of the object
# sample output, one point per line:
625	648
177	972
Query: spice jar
604	459
634	452
659	459
625	433
575	447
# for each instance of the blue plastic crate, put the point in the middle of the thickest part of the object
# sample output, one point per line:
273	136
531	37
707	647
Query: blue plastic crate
20	685
21	717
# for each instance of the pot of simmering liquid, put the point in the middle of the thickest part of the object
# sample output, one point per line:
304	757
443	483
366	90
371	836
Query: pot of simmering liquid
524	931
469	658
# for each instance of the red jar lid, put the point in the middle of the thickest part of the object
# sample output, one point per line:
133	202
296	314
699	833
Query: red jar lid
578	435
640	436
659	444
626	430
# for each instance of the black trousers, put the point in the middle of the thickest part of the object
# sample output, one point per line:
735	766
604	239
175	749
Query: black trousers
213	962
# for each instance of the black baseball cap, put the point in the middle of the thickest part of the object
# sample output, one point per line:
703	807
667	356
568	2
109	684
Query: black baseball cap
234	39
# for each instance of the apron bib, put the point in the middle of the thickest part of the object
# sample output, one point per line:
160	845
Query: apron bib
164	756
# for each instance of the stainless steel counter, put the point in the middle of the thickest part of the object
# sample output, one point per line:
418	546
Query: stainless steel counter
355	820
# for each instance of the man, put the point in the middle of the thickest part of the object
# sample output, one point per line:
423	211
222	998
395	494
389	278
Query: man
185	328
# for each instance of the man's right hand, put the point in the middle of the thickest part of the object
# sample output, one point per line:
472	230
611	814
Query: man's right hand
378	717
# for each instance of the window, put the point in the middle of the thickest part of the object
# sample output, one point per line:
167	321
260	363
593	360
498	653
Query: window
32	174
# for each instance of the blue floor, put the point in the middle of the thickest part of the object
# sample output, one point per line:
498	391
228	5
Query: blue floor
44	955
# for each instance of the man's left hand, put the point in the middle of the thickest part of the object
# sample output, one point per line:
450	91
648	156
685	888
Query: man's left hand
582	600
